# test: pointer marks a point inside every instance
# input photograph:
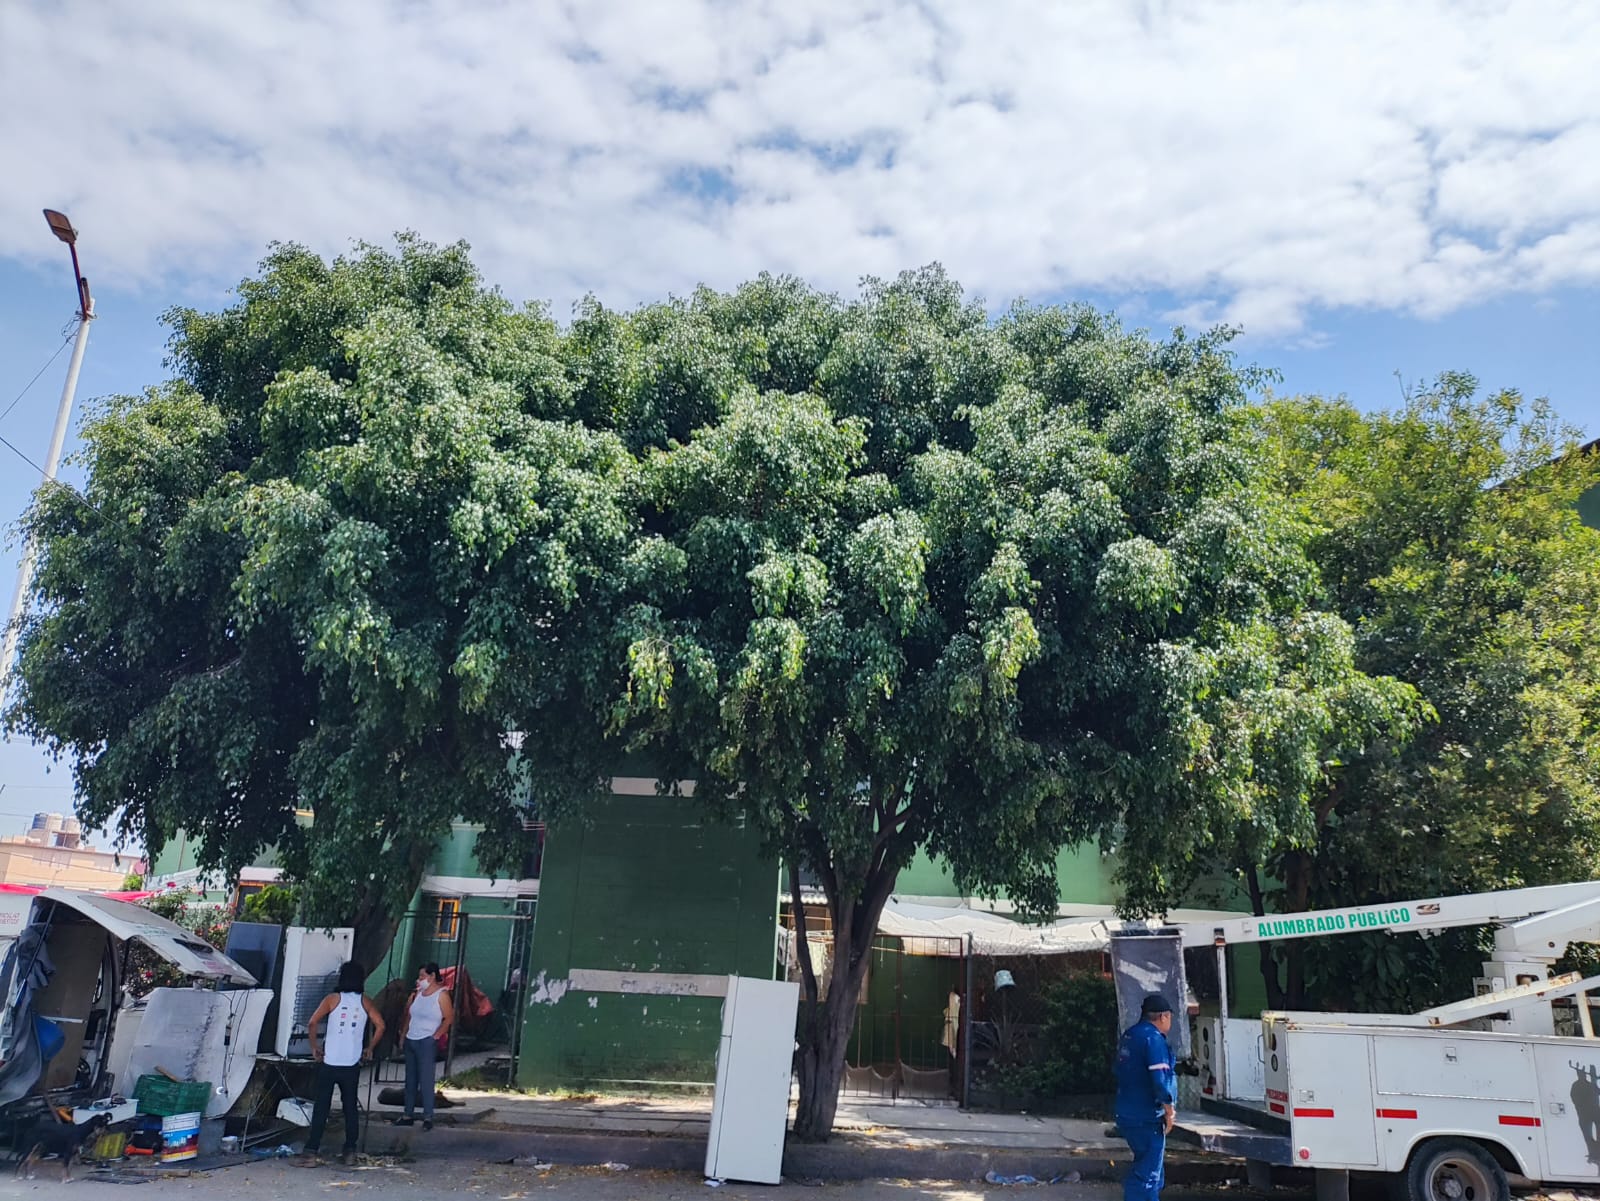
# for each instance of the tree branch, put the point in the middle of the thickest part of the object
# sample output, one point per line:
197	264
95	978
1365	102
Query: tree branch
808	975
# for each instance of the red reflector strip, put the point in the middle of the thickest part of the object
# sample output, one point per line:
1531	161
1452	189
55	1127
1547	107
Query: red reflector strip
1511	1119
1275	1107
1312	1113
1397	1113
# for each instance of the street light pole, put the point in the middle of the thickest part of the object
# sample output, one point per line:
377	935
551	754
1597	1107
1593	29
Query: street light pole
62	228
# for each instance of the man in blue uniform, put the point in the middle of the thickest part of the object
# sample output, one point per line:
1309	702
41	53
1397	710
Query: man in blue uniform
1147	1096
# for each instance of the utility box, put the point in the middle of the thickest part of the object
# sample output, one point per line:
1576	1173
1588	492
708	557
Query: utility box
1231	1069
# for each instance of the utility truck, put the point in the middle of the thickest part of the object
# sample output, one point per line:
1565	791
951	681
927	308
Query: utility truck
1451	1102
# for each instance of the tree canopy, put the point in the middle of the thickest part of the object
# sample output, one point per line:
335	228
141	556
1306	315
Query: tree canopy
879	574
924	580
1446	533
302	566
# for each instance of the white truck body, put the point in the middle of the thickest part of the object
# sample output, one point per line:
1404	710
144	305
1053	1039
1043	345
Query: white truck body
1363	1098
1452	1099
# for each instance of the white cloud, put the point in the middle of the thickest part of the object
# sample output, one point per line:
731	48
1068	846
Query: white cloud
1253	161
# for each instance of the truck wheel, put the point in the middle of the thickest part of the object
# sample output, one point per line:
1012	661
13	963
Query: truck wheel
1455	1169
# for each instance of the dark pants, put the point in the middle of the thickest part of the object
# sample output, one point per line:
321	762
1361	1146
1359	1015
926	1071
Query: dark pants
345	1078
421	1055
1147	1173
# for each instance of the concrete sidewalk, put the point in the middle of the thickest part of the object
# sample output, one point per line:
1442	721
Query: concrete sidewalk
909	1140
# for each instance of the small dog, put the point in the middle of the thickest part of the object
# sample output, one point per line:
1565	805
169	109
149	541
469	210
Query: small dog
51	1136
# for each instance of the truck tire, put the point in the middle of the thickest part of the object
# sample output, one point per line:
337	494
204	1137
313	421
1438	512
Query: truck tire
1455	1169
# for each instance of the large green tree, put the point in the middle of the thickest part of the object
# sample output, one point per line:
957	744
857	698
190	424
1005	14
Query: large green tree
1446	533
302	565
879	575
911	578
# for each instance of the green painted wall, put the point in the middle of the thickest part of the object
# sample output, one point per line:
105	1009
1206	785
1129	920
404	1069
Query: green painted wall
1083	872
455	855
649	884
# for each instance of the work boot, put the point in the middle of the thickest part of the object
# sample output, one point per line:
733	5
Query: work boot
350	1159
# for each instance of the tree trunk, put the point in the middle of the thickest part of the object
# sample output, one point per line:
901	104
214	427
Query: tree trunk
1297	881
820	1060
826	1024
376	920
375	931
1268	961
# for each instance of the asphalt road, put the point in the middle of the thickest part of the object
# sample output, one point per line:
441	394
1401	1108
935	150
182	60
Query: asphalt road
285	1180
282	1180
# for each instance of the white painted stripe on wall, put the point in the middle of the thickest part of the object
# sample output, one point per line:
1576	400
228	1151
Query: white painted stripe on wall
645	786
478	886
650	984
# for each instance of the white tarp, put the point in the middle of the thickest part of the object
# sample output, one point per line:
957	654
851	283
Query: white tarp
991	933
997	934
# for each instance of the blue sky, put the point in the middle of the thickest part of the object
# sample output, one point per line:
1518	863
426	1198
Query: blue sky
1367	190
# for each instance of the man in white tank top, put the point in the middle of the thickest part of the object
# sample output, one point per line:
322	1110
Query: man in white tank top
354	1028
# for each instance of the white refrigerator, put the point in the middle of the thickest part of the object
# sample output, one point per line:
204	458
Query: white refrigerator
311	963
750	1108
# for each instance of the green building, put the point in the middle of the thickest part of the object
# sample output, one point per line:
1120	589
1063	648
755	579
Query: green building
646	908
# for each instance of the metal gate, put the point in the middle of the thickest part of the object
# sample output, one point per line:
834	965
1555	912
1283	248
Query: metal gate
483	958
907	1042
907	1038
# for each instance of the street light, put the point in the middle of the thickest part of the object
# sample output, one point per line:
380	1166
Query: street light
62	228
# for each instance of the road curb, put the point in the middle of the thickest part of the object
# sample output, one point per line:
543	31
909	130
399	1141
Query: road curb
842	1159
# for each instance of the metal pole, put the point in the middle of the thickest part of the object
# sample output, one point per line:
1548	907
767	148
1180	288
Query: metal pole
1222	1025
966	1034
899	997
58	438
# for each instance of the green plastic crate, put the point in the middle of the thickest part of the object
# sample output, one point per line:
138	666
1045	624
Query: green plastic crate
162	1097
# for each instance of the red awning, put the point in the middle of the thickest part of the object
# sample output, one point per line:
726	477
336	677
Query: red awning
34	890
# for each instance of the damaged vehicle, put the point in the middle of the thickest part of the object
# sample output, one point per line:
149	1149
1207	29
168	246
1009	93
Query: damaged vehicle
71	1032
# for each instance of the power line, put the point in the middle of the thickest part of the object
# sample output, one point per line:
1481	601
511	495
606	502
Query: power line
66	337
68	488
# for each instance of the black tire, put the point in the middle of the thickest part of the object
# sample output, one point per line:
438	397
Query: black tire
1455	1169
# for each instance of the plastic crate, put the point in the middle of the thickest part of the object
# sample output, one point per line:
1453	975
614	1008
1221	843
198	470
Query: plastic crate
162	1097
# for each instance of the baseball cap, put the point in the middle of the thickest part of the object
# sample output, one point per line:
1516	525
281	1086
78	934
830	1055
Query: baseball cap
1155	1003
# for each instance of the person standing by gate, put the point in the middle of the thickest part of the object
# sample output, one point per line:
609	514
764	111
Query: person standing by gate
426	1023
1147	1097
349	1014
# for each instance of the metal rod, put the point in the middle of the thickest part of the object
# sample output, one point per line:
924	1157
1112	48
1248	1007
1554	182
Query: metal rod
58	437
966	1033
1222	1025
899	1003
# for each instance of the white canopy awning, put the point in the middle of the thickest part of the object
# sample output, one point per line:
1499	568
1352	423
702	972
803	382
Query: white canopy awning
997	934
